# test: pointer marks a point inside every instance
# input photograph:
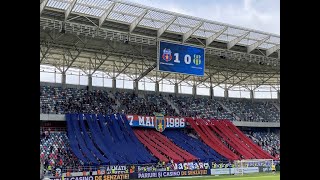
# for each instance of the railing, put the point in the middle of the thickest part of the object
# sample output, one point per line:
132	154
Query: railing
53	129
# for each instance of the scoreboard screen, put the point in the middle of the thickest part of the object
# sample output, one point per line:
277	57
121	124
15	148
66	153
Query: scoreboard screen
179	58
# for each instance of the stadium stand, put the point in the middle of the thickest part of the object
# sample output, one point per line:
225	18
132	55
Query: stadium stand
55	100
253	111
111	140
55	150
132	104
268	141
194	146
227	139
164	149
202	107
160	104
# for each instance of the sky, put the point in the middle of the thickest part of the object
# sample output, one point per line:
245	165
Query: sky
263	15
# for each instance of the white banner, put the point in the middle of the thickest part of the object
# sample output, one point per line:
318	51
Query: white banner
246	170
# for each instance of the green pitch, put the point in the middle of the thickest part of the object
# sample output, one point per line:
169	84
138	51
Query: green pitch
259	176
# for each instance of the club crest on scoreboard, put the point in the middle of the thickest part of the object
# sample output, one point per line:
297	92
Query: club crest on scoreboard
197	59
167	55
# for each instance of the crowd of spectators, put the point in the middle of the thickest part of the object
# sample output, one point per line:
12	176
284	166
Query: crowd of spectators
131	103
247	110
159	104
55	152
268	141
201	107
55	100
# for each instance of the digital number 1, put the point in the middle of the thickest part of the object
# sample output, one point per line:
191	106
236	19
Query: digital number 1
176	60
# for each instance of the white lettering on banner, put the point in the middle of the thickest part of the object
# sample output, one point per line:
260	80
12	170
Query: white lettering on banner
149	121
117	168
182	124
130	117
152	120
176	122
201	165
141	120
171	122
147	175
175	166
196	166
80	178
171	173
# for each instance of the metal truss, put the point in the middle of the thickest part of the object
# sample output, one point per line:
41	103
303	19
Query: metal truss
93	31
93	49
136	15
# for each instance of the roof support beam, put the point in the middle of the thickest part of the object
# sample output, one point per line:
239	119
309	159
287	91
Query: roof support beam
134	24
42	5
272	50
263	81
163	77
190	32
240	80
125	67
146	72
165	27
44	53
106	14
227	77
69	9
210	39
236	40
98	65
210	76
186	77
256	44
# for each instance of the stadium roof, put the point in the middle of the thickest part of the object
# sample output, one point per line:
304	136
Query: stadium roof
136	15
145	25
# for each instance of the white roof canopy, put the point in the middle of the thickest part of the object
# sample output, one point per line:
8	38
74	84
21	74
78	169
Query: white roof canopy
137	15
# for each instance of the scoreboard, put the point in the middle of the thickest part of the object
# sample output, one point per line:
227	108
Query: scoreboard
179	58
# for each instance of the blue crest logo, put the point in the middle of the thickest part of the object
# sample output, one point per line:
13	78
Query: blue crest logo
166	55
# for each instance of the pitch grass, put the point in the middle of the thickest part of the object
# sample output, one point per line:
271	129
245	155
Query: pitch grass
254	176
